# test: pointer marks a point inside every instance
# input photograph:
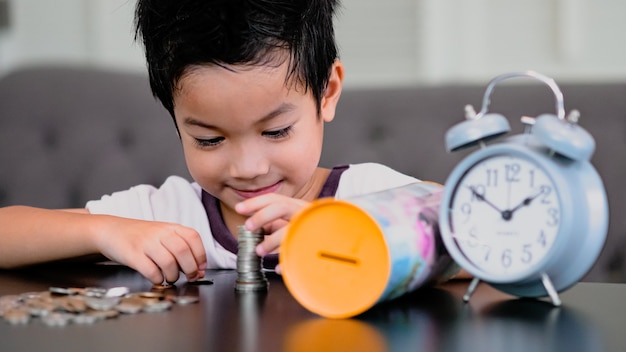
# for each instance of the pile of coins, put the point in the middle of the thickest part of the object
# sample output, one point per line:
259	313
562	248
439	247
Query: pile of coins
250	277
62	306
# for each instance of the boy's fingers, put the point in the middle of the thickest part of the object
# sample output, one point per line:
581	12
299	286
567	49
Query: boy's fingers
162	256
194	242
149	270
189	257
251	205
275	212
270	243
171	270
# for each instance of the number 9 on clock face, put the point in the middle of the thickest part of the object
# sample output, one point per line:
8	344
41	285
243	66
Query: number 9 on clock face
505	215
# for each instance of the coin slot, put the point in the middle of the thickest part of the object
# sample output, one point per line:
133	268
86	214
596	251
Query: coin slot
339	258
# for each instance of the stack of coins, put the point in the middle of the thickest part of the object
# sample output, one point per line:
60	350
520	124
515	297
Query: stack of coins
250	277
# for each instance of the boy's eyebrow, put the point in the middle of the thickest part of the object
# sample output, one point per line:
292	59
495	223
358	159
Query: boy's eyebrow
285	107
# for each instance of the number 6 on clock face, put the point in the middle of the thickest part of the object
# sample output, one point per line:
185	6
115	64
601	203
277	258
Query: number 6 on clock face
505	215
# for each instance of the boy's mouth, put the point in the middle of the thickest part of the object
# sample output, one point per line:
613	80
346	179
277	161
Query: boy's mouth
251	193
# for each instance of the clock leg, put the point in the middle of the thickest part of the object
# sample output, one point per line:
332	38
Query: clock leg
471	289
550	289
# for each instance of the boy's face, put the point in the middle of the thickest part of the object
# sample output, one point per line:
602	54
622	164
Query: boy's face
245	132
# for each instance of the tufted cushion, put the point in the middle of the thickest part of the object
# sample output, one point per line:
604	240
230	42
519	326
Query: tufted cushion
68	135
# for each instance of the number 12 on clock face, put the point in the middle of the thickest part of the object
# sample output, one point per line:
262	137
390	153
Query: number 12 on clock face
505	215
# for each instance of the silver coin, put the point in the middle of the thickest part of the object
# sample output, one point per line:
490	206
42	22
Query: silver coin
84	319
62	291
129	307
117	291
183	300
29	295
56	319
102	303
157	307
95	291
103	314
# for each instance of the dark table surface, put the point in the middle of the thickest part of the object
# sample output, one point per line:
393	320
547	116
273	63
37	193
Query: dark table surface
592	318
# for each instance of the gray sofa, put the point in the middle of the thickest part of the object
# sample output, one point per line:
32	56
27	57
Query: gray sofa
71	134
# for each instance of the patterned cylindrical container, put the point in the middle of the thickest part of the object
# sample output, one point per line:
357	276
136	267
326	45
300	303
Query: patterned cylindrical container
341	257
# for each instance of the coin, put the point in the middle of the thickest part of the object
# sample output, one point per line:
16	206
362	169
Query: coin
117	291
8	302
56	319
162	287
71	304
156	307
185	299
102	303
62	291
103	314
17	316
129	307
84	319
201	282
152	295
95	291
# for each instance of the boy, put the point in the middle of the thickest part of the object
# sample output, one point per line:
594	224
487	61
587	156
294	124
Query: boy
249	85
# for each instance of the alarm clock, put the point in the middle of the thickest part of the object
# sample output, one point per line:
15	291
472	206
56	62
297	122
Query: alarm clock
527	214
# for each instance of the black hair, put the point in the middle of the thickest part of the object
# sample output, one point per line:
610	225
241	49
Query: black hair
180	34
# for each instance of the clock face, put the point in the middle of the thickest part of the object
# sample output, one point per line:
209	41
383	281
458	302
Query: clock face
505	214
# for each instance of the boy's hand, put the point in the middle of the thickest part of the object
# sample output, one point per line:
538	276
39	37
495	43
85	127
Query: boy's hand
271	212
157	250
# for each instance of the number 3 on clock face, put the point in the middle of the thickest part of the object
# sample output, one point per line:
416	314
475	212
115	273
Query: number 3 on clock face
505	215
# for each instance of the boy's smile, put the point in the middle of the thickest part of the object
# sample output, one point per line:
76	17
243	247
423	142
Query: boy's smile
245	131
251	193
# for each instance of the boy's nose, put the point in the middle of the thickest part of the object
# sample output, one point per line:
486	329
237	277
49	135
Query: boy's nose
249	164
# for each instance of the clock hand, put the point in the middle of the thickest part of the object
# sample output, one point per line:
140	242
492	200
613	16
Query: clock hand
482	198
524	203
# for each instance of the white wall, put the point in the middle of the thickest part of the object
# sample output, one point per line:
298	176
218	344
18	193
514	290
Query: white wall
85	32
391	42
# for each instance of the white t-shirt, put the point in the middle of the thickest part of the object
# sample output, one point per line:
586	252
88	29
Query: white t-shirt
179	201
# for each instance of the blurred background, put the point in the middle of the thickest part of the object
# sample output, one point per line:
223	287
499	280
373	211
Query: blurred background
382	43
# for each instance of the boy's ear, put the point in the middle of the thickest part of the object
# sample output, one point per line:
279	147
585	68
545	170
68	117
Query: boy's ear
332	92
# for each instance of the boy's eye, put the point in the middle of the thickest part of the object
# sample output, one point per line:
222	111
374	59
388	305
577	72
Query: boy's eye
209	142
281	133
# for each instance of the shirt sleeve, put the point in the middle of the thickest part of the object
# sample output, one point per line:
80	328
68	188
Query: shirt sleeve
171	202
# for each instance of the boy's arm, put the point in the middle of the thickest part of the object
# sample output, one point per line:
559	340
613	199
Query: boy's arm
31	235
157	250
